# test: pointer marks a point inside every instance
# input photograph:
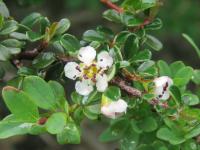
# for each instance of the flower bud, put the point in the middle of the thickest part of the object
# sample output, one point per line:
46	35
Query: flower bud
113	109
162	85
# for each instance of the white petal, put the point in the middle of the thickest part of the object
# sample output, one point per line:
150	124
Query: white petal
102	82
120	106
104	60
105	110
165	96
84	87
162	85
87	55
114	109
72	70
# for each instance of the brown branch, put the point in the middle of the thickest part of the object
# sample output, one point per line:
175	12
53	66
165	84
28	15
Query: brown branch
112	6
134	77
30	54
123	85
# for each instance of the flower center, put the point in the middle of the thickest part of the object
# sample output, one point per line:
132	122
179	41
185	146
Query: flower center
90	72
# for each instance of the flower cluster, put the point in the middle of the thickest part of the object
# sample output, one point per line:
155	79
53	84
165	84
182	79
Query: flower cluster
89	72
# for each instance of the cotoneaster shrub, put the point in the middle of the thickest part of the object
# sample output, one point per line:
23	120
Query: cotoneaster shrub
147	103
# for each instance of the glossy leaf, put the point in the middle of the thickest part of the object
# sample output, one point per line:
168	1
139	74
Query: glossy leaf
40	92
56	123
44	60
70	43
154	43
69	135
20	104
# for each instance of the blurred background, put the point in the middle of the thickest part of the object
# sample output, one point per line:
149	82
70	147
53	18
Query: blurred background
179	16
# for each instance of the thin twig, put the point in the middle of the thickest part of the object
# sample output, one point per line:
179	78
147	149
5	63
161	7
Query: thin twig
134	77
29	55
112	6
123	85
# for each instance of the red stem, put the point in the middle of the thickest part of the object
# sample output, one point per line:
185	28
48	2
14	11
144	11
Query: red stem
112	6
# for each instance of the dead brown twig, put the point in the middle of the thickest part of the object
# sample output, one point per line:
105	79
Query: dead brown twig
125	87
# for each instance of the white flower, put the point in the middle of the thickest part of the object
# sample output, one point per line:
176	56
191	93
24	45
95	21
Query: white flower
90	72
162	85
114	109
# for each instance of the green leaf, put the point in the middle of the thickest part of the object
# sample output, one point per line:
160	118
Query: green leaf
176	94
4	53
113	93
70	43
142	56
31	19
121	37
138	5
148	124
59	93
176	66
34	36
193	133
116	130
92	98
37	129
154	43
76	98
92	35
190	99
112	15
13	128
1	21
69	135
164	69
131	46
20	104
63	26
146	65
25	71
111	72
40	92
183	76
189	145
130	141
167	135
19	36
9	27
155	25
92	112
56	123
44	60
44	24
189	39
4	10
13	43
129	20
196	76
58	90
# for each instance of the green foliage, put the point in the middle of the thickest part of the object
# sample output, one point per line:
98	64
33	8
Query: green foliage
37	100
